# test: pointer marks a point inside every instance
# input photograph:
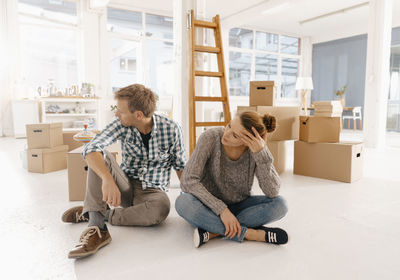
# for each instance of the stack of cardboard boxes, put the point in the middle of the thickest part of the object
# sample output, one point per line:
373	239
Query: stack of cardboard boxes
46	152
319	152
262	95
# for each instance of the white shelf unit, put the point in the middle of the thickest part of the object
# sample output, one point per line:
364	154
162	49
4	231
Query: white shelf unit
71	121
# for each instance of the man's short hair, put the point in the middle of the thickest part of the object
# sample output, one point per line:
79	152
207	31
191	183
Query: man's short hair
139	98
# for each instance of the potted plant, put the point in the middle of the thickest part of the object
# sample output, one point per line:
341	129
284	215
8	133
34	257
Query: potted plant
340	92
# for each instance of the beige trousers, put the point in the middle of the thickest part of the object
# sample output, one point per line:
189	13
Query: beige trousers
138	207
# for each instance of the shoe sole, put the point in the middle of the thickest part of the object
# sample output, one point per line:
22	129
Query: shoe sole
82	255
196	238
66	214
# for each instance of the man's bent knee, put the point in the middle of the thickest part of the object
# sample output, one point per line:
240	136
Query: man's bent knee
158	210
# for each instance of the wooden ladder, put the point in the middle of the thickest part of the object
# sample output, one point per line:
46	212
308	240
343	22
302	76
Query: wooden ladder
193	124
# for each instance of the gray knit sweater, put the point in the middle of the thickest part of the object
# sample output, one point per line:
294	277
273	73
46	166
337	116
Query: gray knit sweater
217	180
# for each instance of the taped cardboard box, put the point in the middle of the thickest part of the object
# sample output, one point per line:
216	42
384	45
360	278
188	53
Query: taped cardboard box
77	173
262	93
287	121
47	160
319	129
44	135
278	150
334	161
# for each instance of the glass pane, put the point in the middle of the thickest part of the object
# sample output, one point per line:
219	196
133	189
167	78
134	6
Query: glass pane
159	26
289	75
58	10
159	67
266	41
266	67
290	45
241	38
239	73
48	55
393	109
123	61
122	21
204	37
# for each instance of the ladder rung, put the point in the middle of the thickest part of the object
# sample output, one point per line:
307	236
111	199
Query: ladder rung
207	49
206	24
209	124
208	74
209	98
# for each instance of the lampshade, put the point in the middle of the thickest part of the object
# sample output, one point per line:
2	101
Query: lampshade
304	83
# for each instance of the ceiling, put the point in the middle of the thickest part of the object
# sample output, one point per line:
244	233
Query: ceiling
284	15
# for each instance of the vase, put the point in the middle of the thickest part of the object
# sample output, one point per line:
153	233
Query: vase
343	101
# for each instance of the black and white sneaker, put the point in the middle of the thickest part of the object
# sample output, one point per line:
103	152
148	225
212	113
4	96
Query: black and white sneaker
200	236
274	235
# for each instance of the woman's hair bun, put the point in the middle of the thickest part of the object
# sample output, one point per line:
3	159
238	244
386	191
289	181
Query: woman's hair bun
269	122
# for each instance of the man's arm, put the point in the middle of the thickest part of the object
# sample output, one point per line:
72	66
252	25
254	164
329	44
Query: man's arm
111	193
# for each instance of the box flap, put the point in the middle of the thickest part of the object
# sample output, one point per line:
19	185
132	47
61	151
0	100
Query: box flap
43	125
262	83
50	150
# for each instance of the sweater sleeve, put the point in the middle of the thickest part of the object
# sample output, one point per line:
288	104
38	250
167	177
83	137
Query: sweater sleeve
190	180
267	176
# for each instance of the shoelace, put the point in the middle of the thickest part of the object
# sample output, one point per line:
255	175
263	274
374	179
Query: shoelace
206	236
87	233
272	237
80	217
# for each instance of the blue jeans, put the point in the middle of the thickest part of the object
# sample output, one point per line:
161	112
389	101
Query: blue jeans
252	212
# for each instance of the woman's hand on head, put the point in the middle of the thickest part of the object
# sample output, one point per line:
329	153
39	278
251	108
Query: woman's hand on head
255	142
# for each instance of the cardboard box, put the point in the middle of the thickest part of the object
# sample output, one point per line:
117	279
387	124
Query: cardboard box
47	160
44	135
287	121
334	161
69	140
77	174
319	129
278	151
262	93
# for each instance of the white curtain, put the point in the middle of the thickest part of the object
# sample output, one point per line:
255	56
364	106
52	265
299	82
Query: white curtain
9	62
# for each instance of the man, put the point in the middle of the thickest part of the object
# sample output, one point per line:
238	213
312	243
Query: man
151	144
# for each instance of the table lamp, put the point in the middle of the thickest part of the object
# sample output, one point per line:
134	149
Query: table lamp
304	84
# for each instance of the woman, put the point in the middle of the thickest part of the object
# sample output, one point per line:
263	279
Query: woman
217	181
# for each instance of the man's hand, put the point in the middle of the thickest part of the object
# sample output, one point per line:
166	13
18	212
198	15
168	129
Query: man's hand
111	193
231	224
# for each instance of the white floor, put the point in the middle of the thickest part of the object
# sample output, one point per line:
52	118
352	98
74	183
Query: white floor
337	231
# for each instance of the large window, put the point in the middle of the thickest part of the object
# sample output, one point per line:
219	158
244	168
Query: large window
141	50
256	55
48	44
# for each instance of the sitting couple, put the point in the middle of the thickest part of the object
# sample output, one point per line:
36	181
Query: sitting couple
216	182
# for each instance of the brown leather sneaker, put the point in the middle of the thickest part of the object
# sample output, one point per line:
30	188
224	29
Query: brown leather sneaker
74	215
91	240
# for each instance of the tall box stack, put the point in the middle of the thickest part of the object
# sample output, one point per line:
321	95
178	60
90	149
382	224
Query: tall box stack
319	152
46	152
262	94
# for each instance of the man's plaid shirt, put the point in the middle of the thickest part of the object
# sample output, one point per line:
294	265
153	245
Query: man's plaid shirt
153	168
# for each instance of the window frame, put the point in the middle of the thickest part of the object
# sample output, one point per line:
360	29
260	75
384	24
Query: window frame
253	51
51	23
140	39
